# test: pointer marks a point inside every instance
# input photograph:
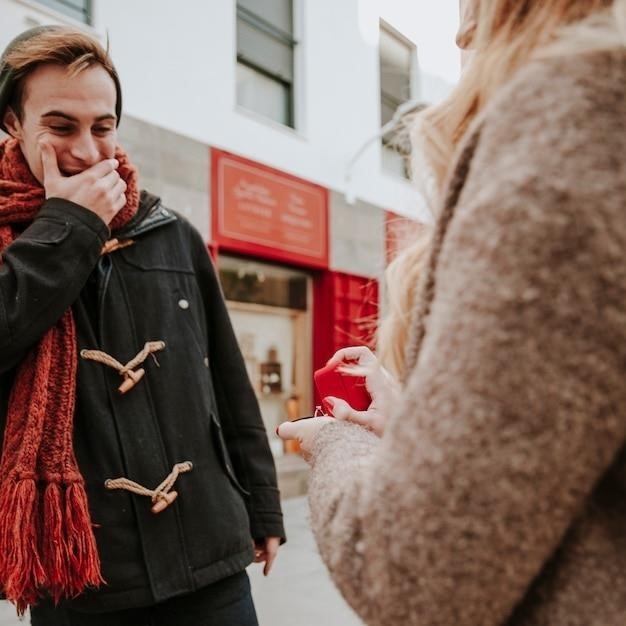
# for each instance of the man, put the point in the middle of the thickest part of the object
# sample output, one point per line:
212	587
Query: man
136	478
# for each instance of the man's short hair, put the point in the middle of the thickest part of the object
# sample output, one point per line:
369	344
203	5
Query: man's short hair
54	45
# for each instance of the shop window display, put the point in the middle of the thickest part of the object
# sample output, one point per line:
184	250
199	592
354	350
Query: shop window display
270	310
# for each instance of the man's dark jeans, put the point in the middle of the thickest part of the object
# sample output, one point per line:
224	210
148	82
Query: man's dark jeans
225	603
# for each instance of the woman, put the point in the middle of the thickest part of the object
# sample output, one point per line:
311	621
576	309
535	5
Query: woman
497	493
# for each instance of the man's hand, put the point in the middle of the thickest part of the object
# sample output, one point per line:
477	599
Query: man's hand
99	188
265	551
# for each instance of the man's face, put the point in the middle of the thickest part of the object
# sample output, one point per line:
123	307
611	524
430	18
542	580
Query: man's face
74	114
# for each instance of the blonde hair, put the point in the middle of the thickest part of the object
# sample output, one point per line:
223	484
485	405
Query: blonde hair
508	34
505	35
401	280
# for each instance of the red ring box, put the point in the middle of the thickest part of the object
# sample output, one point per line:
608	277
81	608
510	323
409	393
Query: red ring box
330	381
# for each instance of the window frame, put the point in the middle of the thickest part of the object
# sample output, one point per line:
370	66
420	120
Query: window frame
70	10
253	20
389	141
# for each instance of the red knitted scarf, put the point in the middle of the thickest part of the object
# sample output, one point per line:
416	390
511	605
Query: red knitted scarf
47	543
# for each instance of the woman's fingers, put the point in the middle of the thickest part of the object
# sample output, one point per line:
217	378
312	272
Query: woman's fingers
342	410
358	354
303	431
372	418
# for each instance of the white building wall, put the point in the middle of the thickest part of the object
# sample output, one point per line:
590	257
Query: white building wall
177	65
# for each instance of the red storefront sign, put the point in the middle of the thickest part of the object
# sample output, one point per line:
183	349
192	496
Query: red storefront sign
263	212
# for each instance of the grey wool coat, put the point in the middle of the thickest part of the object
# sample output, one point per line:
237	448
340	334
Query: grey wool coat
497	495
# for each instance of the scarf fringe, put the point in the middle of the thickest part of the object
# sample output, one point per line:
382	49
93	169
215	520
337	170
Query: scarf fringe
82	549
21	570
54	548
69	549
65	563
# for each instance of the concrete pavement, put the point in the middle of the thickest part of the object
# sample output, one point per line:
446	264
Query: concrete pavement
298	592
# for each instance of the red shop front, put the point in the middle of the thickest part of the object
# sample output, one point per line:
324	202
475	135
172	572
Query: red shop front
290	310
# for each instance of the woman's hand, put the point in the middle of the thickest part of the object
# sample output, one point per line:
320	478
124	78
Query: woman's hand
352	361
304	430
361	361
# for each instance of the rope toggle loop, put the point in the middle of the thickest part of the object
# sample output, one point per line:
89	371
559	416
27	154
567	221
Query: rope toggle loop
161	496
128	372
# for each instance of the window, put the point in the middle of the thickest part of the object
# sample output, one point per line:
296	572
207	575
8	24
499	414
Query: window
262	283
396	73
78	9
265	58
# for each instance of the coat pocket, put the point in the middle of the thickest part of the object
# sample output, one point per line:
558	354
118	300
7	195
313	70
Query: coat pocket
220	443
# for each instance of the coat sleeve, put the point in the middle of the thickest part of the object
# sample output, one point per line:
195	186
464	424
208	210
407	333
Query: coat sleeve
240	416
42	272
515	408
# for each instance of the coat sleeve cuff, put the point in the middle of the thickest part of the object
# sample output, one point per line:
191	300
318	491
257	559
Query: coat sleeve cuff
60	209
266	519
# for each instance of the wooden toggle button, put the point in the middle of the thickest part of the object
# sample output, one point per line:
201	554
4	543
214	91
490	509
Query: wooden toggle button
132	378
164	500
